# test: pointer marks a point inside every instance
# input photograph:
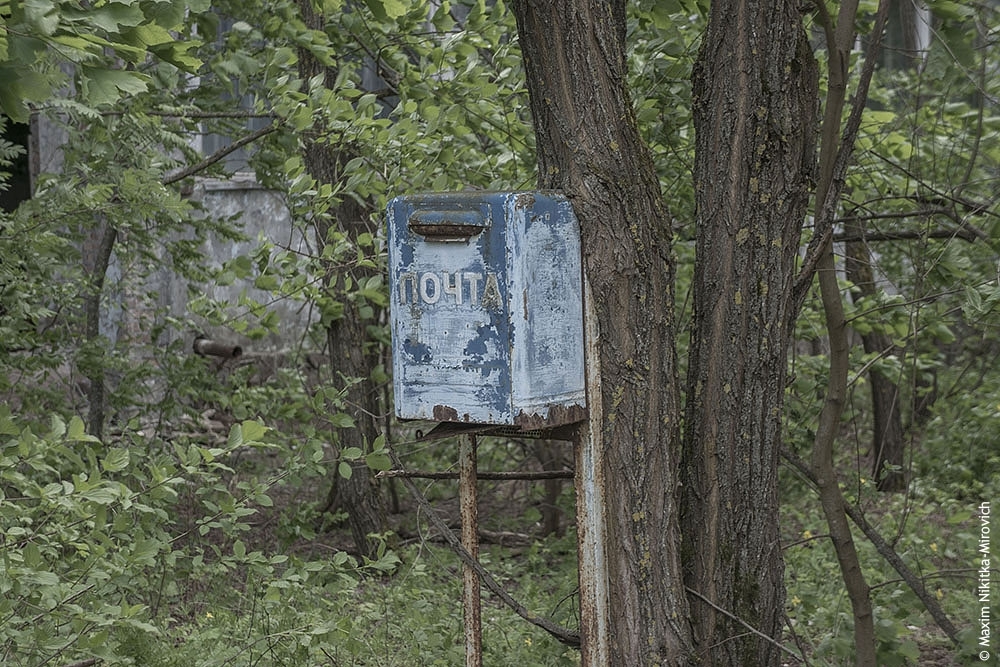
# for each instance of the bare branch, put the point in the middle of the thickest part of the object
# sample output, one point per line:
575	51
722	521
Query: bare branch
965	233
886	551
218	155
746	625
833	188
528	476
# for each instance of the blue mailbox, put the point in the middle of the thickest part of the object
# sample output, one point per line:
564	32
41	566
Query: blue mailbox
486	304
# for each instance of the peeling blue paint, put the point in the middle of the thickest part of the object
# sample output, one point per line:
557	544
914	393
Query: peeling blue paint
486	308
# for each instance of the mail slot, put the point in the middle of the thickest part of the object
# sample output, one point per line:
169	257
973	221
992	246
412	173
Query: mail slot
486	308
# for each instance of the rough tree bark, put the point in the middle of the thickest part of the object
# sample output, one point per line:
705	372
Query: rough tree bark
755	112
589	147
352	355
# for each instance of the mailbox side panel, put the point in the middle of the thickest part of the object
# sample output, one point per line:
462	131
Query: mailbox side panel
546	292
448	309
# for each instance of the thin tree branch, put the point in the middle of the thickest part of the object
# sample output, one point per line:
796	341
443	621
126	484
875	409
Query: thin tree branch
827	207
218	155
195	114
753	630
907	235
525	476
886	551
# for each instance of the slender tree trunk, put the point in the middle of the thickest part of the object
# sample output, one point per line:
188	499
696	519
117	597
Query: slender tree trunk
755	90
589	147
835	152
827	480
550	455
352	354
887	425
97	248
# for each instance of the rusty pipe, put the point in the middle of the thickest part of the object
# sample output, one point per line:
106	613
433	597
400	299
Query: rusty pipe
471	602
207	347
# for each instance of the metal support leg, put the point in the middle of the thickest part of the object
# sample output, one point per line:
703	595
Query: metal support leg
470	540
592	566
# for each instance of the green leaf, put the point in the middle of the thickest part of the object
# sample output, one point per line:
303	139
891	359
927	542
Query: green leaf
76	429
342	420
42	578
80	48
345	470
57	427
378	460
106	86
148	34
31	554
959	517
41	15
7	425
267	281
116	460
177	54
102	495
351	453
239	549
112	16
235	438
909	650
145	551
387	9
253	430
950	10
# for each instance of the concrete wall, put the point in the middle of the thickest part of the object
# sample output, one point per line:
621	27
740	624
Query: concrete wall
263	215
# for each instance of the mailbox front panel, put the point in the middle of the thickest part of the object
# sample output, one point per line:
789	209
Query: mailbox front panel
486	308
451	335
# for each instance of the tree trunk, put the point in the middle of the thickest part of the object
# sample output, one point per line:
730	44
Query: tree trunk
98	245
589	147
887	425
550	456
352	355
835	152
755	91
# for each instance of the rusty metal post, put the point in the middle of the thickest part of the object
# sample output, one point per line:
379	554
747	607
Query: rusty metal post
212	348
471	601
591	555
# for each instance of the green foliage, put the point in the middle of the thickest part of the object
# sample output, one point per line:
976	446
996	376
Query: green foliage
87	533
145	553
146	548
936	536
38	37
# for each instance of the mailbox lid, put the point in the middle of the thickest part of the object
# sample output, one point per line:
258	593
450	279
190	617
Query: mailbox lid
449	284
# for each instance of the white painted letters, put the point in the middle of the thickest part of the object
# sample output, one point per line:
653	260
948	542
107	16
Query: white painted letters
434	294
450	287
453	287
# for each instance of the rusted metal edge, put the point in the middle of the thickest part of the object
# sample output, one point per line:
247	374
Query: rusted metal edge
557	415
